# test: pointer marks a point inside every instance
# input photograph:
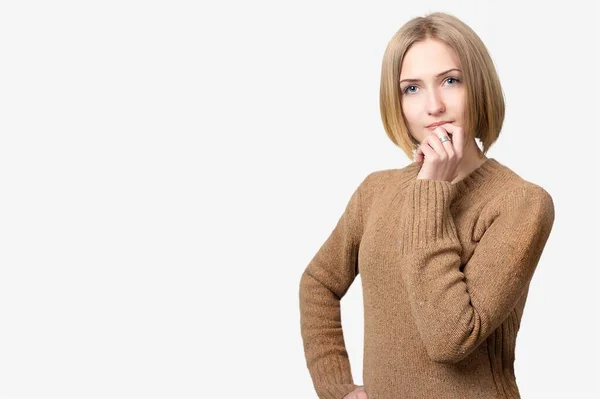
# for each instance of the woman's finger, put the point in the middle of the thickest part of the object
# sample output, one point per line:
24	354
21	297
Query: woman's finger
419	156
426	150
437	145
448	144
457	138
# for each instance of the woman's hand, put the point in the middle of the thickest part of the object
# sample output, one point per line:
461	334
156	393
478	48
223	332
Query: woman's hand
358	393
440	160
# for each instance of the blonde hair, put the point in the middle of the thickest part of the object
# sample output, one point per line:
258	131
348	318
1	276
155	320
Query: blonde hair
484	103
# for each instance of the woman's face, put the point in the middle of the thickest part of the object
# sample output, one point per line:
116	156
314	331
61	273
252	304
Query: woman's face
426	97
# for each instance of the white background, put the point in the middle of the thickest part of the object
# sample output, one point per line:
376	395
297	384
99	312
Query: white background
169	168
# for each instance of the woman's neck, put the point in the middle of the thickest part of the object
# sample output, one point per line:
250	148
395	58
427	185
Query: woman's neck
472	158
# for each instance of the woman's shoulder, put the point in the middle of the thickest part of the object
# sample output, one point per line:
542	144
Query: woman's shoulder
383	176
512	181
512	192
385	182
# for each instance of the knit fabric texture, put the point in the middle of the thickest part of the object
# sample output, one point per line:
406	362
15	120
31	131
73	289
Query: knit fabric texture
445	271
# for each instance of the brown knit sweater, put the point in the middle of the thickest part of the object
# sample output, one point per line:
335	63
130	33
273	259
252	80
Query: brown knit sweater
445	272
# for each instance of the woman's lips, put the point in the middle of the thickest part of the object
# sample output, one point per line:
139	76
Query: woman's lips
431	127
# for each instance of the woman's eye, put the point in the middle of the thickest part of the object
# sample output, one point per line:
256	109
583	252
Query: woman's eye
408	91
408	87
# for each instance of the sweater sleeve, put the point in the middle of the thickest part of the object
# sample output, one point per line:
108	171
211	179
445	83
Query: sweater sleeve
456	308
323	283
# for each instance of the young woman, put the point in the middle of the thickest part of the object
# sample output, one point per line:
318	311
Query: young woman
446	247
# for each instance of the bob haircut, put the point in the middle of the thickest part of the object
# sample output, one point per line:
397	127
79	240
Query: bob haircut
484	103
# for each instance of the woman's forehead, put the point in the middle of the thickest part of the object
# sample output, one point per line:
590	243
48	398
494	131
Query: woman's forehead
428	59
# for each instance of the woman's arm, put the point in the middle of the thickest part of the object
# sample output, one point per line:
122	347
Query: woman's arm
456	310
325	281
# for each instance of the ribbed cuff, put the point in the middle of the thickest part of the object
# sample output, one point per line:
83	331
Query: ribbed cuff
335	391
332	378
426	216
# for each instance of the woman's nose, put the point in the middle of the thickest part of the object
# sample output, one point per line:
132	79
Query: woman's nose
435	105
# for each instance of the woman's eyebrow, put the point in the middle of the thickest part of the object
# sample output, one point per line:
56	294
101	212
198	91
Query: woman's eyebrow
437	76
